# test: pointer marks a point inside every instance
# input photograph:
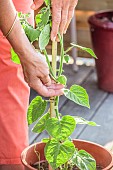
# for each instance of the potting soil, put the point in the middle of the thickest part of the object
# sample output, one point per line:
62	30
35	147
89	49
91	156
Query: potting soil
44	166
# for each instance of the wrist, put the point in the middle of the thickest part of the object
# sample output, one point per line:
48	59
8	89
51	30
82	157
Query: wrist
25	53
20	42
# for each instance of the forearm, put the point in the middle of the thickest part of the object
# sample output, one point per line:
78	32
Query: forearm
17	37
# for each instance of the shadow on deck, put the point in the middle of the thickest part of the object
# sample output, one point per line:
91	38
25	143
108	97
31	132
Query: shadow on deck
101	108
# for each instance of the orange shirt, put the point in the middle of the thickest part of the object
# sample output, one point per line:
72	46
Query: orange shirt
14	99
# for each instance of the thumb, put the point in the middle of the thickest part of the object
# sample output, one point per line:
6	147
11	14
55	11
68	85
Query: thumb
37	4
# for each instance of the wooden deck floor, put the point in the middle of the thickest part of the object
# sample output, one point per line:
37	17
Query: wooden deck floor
101	108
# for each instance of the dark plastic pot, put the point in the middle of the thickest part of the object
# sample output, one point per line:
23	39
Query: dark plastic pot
103	157
101	26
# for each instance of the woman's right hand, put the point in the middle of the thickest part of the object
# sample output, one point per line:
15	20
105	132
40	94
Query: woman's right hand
36	73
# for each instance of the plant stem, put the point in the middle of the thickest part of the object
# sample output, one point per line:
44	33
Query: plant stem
66	166
54	56
62	55
52	99
70	48
48	62
54	64
56	104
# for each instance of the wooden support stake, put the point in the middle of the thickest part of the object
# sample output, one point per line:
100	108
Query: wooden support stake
54	66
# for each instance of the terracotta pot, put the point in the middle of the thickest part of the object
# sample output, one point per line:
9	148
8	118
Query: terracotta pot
103	157
101	28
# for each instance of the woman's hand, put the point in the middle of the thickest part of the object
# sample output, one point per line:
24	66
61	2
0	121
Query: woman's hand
36	73
62	13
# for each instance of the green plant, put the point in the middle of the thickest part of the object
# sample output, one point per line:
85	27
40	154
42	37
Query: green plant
59	149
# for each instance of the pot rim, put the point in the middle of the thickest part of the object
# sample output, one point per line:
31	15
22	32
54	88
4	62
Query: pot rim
94	20
23	154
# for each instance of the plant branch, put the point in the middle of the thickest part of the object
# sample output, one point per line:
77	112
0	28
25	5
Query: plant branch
69	49
62	55
48	62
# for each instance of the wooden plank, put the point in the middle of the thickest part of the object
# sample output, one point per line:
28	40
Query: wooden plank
96	97
104	117
82	18
73	77
95	5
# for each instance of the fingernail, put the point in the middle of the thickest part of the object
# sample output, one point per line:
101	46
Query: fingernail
33	6
57	39
65	32
54	38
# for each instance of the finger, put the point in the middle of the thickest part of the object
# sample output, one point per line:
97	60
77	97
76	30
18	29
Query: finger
26	79
64	16
56	86
25	74
37	4
56	18
43	90
46	80
57	39
70	16
71	10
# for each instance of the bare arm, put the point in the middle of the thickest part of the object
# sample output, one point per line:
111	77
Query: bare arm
35	69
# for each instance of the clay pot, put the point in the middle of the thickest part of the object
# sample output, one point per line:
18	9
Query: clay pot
101	28
103	157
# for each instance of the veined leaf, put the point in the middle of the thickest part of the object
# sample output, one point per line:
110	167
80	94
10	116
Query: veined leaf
88	50
80	120
36	109
40	126
61	129
14	57
62	79
32	34
47	2
78	95
83	160
58	153
44	37
45	17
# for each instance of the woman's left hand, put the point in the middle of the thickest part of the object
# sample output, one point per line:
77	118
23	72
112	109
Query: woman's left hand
62	13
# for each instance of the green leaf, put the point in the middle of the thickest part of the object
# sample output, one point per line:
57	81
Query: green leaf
23	16
83	160
38	18
14	57
88	50
19	14
62	79
47	2
32	34
45	17
80	120
45	140
36	108
44	37
61	129
40	126
78	95
66	58
58	153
